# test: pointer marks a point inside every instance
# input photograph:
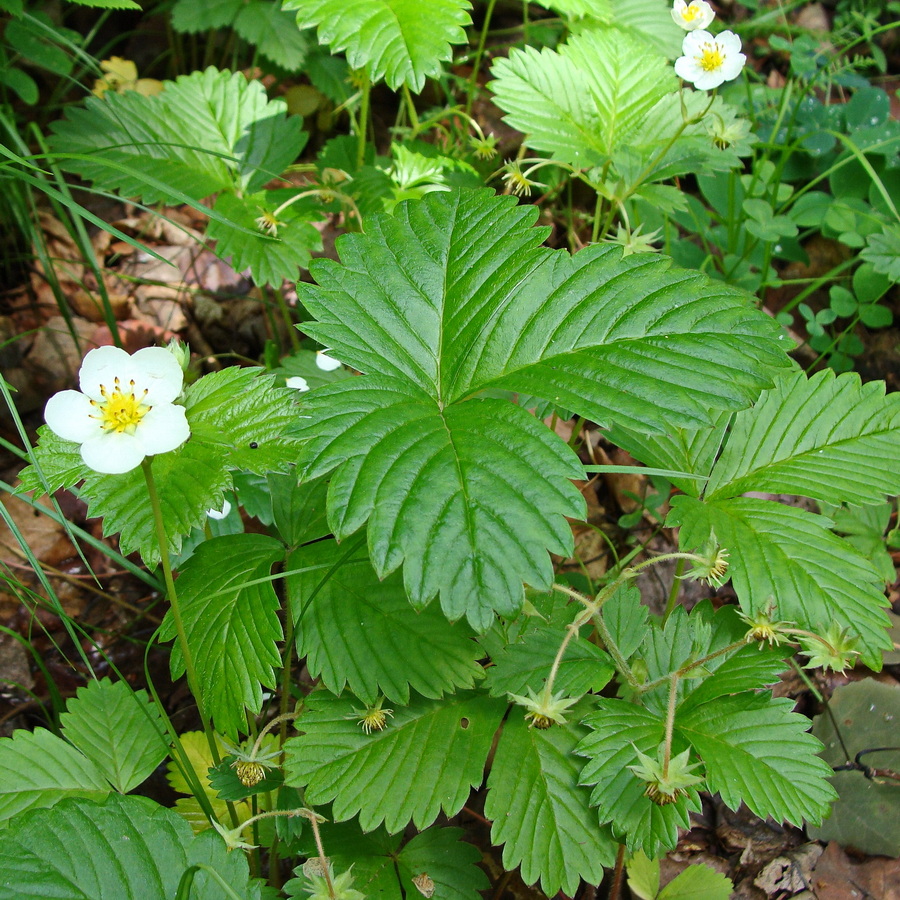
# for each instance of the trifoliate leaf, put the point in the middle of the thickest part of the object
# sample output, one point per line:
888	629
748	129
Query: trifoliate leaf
271	257
230	615
787	557
585	100
402	41
384	869
756	750
127	847
526	664
39	769
619	731
828	437
119	729
450	298
206	132
427	758
539	811
360	632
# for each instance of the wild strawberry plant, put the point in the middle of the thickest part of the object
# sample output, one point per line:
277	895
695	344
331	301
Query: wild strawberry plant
398	639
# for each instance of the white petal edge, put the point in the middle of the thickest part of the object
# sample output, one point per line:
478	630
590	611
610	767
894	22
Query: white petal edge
101	366
326	363
163	429
67	415
157	371
113	454
297	382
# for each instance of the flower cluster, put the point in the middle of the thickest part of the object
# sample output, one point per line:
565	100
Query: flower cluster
708	60
125	410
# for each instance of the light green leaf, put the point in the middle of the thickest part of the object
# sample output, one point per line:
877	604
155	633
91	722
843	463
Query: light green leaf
698	882
361	632
539	811
271	259
788	557
243	412
402	41
206	132
427	759
643	876
189	481
620	728
126	847
230	614
828	437
585	100
119	729
882	250
109	4
383	869
38	769
526	664
756	750
274	32
626	618
450	298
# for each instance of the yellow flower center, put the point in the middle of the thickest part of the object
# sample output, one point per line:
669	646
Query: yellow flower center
120	410
690	13
711	57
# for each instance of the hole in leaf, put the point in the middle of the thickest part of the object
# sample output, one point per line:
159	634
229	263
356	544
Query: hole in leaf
464	723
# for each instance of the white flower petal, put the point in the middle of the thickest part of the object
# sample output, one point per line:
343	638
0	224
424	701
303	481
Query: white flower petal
325	362
157	371
101	366
219	513
113	453
295	381
163	429
693	16
67	414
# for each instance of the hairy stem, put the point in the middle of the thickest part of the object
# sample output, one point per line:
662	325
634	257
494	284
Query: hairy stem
670	723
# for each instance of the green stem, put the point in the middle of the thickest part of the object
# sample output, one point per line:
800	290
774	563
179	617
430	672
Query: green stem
293	337
363	124
479	53
670	723
165	562
323	859
612	648
673	591
411	110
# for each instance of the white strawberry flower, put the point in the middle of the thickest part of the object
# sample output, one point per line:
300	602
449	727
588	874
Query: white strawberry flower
709	61
125	410
694	16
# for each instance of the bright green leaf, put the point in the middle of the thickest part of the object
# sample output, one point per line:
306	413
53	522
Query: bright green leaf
361	632
828	437
620	728
788	557
231	624
271	259
451	297
756	750
119	729
427	758
126	847
585	100
402	41
274	32
539	811
38	769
